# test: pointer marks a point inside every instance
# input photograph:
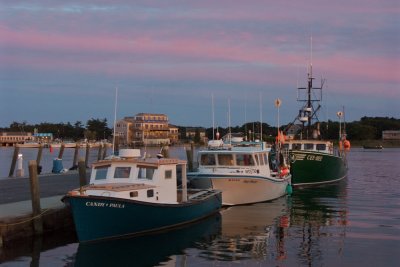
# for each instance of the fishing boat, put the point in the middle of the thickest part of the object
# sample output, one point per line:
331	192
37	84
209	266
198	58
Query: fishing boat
242	170
313	160
129	194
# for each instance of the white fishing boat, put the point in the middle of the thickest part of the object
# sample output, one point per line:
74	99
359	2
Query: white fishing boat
242	170
129	194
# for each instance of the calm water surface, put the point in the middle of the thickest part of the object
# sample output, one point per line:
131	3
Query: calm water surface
354	223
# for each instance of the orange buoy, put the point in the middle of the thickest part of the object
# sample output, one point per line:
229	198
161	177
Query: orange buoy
346	144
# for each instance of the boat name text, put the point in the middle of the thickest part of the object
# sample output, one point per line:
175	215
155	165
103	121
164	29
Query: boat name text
104	205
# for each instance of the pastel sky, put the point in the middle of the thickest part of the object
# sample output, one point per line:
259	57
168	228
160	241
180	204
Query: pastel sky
60	61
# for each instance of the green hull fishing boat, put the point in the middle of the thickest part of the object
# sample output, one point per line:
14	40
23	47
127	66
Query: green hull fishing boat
314	161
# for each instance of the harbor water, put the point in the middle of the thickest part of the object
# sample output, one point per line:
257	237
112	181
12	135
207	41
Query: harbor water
353	223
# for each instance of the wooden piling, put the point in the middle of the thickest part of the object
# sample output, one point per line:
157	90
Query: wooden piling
39	154
165	151
14	161
60	154
189	156
36	210
82	173
87	155
75	161
99	152
104	151
184	184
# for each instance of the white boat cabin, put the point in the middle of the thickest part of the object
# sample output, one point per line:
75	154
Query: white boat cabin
310	145
150	180
249	159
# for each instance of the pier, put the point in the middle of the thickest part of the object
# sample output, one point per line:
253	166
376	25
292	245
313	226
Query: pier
18	217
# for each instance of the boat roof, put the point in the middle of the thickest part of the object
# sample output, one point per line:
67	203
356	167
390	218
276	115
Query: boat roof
118	187
307	141
149	162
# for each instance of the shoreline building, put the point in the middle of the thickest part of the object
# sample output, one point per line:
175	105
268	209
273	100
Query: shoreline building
13	138
391	135
146	129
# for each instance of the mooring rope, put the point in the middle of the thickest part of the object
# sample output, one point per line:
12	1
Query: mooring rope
27	220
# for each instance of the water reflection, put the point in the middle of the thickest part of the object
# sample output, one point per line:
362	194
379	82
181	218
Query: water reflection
247	231
318	219
148	250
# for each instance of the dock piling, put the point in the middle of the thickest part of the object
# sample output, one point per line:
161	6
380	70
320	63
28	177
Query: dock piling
60	154
99	152
36	210
76	153
14	161
189	156
165	151
39	158
104	151
82	173
87	155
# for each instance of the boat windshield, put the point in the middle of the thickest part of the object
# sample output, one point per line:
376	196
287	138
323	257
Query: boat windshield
244	160
225	159
207	160
321	147
122	172
101	173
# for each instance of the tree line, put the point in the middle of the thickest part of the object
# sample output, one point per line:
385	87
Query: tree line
367	128
94	129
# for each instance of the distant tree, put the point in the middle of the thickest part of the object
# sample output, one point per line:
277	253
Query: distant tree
196	137
97	129
359	131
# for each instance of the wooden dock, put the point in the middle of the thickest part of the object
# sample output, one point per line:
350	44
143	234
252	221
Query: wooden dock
16	210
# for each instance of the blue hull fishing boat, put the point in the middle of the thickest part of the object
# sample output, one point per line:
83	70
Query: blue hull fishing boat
132	195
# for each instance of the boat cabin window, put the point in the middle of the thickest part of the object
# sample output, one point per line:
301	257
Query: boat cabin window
122	172
308	146
101	173
207	159
296	146
150	193
146	173
321	147
261	159
244	160
265	158
286	146
168	174
134	194
225	159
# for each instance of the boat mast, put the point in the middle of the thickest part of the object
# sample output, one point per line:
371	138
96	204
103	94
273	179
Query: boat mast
115	118
261	121
212	108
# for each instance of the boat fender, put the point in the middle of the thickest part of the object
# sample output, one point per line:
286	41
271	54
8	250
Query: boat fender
346	145
289	189
284	171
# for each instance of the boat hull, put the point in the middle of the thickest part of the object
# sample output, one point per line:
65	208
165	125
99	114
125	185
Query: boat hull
312	168
98	217
238	190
